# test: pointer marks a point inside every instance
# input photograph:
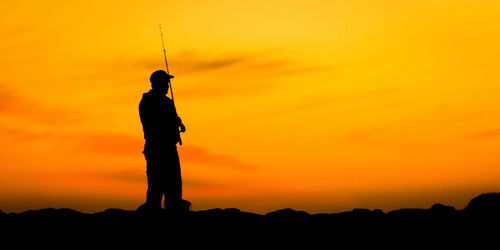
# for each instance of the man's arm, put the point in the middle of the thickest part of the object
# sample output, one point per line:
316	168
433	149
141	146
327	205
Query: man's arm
177	118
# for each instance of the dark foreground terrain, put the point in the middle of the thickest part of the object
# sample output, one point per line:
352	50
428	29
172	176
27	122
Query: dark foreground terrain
479	223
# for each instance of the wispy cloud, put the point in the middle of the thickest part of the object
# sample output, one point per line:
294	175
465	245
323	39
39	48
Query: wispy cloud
138	175
128	175
111	144
200	155
487	134
236	74
15	105
22	134
13	40
188	62
280	67
122	144
370	137
389	136
256	63
320	101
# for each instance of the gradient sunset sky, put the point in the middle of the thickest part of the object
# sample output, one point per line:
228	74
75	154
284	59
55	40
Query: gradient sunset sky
322	106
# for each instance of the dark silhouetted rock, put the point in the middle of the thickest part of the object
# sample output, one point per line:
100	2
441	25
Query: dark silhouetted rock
442	210
223	212
437	210
485	204
288	212
287	226
363	212
408	212
350	218
378	212
52	212
117	212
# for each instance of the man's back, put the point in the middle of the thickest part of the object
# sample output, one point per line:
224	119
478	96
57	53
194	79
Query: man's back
159	119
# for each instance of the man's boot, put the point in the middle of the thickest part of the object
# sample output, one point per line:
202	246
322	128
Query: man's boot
181	207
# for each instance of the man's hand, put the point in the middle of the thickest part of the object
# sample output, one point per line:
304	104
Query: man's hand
183	128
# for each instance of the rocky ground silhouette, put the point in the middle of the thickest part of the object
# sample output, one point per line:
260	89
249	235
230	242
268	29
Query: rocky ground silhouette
487	204
480	218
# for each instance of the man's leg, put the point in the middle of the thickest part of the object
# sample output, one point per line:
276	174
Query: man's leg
155	191
173	184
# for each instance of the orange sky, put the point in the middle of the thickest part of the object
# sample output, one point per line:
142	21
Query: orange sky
321	106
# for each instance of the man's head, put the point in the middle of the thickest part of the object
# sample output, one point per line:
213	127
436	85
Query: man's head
159	80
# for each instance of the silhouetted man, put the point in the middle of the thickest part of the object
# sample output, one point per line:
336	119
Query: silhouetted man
161	125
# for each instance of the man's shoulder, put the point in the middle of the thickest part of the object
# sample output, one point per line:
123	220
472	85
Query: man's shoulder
150	96
145	95
155	99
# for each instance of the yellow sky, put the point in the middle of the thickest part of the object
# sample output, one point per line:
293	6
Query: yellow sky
321	106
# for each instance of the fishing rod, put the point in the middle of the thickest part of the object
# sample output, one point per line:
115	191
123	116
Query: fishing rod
182	128
166	65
